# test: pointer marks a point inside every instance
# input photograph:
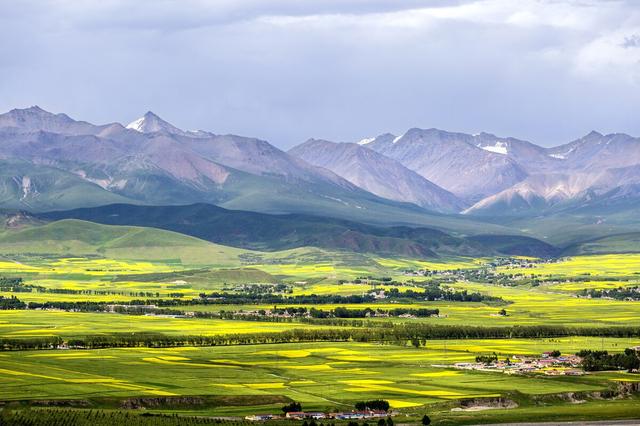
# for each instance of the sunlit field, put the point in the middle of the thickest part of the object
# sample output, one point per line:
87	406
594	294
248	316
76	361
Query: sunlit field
599	265
319	375
99	281
444	265
22	324
587	285
322	376
83	266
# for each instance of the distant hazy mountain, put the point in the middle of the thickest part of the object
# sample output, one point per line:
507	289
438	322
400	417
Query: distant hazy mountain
377	174
592	170
534	194
154	162
51	161
508	176
454	161
36	119
595	152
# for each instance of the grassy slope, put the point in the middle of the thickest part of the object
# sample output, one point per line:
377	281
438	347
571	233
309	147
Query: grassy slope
258	231
75	237
272	195
620	243
23	186
56	189
569	227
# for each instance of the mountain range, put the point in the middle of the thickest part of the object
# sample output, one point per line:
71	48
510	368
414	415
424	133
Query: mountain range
456	182
52	162
491	175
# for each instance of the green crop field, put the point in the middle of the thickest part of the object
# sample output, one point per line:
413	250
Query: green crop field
320	375
61	265
39	323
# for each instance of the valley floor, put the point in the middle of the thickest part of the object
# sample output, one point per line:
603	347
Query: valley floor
237	377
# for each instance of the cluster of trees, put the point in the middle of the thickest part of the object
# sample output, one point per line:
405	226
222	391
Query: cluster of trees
436	292
372	279
262	289
376	404
70	306
12	302
15	285
292	407
601	360
620	293
27	343
342	312
222	298
487	359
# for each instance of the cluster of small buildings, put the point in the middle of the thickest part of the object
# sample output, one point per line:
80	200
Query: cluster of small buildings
316	415
520	262
547	364
430	273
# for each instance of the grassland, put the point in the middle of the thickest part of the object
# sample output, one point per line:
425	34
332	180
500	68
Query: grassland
599	265
122	280
320	375
15	324
78	238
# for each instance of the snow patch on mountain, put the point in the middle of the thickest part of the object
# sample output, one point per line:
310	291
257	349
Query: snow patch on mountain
397	138
498	148
366	141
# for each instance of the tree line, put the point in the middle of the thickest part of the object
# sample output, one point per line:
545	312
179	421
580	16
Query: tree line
399	334
620	293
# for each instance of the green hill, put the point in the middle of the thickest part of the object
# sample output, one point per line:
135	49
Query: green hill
265	232
22	186
621	243
80	238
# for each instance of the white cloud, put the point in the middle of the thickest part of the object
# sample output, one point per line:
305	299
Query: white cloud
611	55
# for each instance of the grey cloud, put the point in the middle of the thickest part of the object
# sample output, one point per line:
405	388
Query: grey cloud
631	41
356	68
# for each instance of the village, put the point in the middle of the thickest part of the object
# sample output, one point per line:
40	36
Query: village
548	363
314	415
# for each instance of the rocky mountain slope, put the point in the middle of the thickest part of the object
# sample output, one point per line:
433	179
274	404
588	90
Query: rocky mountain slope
51	161
377	174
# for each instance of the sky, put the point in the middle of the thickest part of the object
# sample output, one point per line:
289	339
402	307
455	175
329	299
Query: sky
287	70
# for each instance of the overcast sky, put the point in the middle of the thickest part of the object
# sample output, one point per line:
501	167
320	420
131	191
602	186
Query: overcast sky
286	70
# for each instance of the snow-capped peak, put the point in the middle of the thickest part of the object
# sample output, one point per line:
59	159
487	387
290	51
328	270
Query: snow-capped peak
150	123
366	141
137	125
498	148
